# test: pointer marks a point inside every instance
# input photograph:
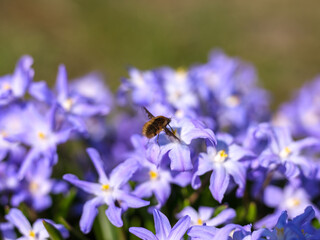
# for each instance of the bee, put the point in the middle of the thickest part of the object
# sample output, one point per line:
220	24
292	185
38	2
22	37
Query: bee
156	125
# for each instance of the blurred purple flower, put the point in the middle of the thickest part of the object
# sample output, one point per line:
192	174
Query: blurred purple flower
285	155
290	199
163	228
203	217
86	97
302	113
42	136
15	85
107	191
36	231
36	187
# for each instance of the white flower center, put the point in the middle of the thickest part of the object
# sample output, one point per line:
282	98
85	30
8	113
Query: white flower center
220	156
284	153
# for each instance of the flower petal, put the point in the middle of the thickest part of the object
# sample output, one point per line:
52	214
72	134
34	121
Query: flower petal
89	187
238	171
62	83
223	217
89	213
219	182
16	217
161	224
98	164
202	232
180	228
114	215
131	200
180	157
142	233
123	172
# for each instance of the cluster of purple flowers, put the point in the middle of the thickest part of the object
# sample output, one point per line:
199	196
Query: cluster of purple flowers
231	151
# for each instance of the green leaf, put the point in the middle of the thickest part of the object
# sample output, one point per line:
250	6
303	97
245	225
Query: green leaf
54	233
65	204
252	212
103	229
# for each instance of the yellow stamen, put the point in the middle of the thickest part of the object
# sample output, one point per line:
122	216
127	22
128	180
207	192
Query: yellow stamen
293	202
221	156
32	234
153	175
233	101
33	186
280	231
67	104
6	86
41	135
4	134
181	73
285	152
105	187
199	221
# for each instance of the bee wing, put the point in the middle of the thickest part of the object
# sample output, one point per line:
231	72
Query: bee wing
171	134
150	116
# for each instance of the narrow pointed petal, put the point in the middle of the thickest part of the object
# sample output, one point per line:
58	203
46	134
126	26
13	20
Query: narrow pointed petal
161	224
180	157
162	192
180	228
223	217
89	213
238	171
16	217
142	233
114	215
88	187
62	83
131	200
219	182
98	164
202	232
190	212
205	213
223	233
32	154
123	172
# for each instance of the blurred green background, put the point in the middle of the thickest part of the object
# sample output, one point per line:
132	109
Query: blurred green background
281	38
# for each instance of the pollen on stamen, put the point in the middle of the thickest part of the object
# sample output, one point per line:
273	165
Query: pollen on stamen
221	156
67	104
199	221
285	152
32	234
105	187
41	135
153	175
6	86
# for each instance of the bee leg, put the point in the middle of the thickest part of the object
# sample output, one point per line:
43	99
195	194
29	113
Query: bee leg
158	139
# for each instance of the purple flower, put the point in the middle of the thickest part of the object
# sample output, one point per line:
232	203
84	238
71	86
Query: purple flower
163	228
179	152
15	85
154	175
37	231
36	187
86	97
299	228
42	136
144	88
203	217
290	199
301	114
285	155
109	190
224	160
